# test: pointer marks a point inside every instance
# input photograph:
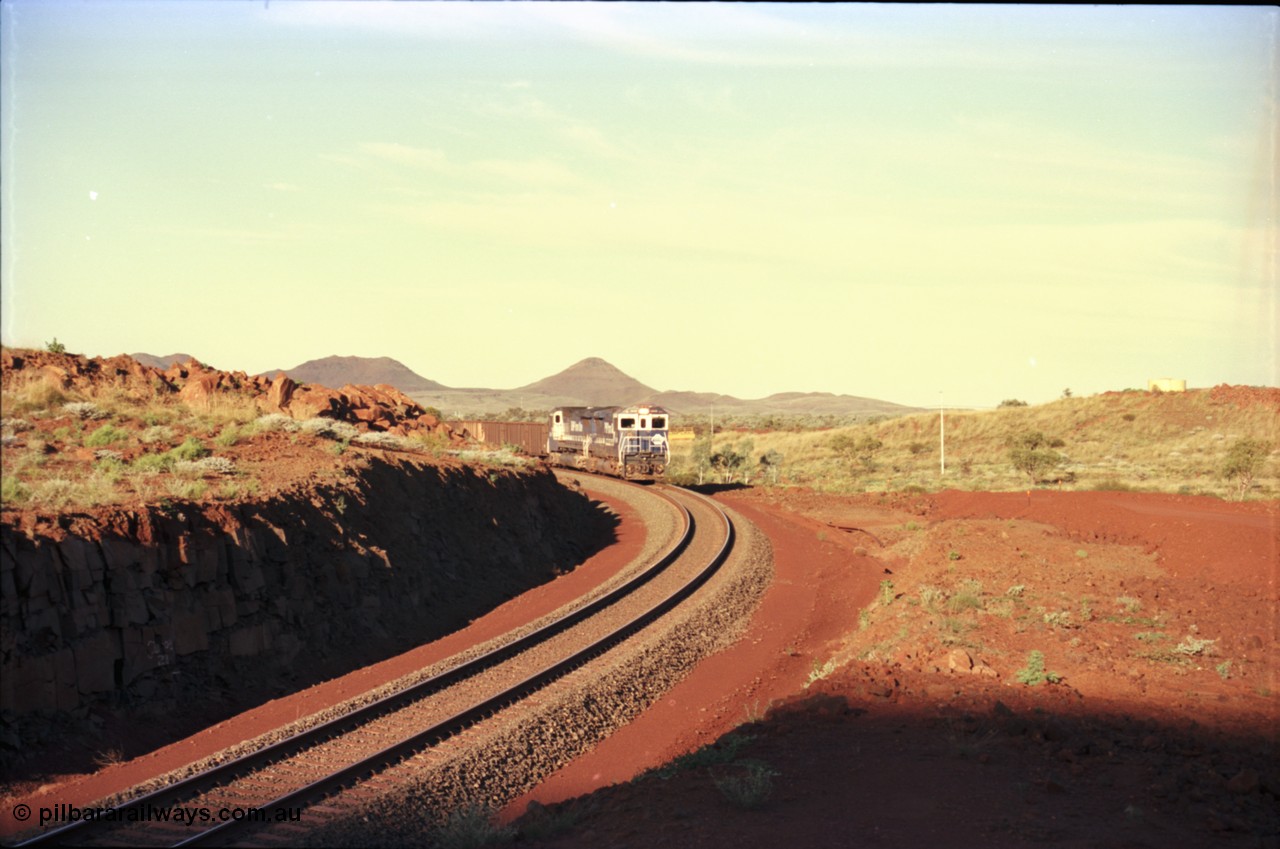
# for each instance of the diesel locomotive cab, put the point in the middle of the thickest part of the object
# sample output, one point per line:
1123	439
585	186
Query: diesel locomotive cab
643	447
629	442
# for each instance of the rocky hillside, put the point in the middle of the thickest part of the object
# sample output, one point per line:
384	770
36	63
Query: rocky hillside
178	544
367	371
226	604
161	362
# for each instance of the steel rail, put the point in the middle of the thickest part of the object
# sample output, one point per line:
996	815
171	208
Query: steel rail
74	832
446	728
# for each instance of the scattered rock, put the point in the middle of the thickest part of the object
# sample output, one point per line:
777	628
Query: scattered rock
958	660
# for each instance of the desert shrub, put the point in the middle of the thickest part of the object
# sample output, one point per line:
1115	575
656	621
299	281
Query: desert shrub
863	449
1034	674
969	597
329	429
1244	460
383	440
84	410
723	751
15	425
771	464
748	787
190	449
1012	402
204	466
55	492
187	490
151	463
492	458
13	491
1192	645
273	422
471	827
1030	454
32	394
105	435
228	436
55	347
931	596
1129	604
156	433
1058	618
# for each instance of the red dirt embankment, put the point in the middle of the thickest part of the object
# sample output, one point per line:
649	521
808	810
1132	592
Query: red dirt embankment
1155	614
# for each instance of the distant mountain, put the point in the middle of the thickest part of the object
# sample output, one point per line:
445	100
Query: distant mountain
334	372
161	362
783	403
591	383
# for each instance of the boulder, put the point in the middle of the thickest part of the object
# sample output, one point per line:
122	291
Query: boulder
281	391
958	660
309	402
199	391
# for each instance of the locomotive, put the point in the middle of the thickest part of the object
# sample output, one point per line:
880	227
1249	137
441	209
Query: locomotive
628	442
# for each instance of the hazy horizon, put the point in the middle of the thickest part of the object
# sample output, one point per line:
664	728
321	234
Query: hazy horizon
890	201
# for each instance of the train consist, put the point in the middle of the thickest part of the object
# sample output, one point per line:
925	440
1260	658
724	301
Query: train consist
627	442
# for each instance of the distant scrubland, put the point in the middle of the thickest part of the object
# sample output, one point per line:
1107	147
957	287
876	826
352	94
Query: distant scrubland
1162	442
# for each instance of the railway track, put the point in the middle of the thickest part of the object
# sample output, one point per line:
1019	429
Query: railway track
282	789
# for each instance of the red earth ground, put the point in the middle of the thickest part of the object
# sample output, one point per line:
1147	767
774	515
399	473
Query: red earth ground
1151	735
1156	615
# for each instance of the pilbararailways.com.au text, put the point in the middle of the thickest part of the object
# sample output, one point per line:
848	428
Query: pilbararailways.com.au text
180	814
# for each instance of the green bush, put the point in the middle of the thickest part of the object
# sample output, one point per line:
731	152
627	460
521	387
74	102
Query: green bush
190	449
153	463
105	435
1244	460
12	490
1030	453
1034	674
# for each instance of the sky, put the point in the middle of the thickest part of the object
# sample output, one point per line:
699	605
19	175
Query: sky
922	204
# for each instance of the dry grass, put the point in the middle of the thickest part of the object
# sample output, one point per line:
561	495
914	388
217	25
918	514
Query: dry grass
1172	442
49	432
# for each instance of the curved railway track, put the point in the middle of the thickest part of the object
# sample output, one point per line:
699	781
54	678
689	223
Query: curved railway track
279	780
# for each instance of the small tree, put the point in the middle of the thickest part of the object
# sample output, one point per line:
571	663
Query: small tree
1012	402
771	465
1244	460
861	449
701	457
55	347
1029	453
727	462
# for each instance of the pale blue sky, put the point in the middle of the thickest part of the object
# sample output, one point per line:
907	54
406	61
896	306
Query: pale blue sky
881	200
